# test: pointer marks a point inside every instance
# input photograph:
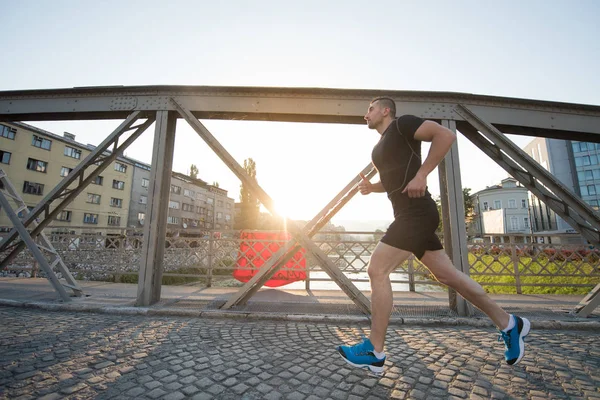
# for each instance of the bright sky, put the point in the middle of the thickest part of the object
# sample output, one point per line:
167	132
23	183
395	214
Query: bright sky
534	49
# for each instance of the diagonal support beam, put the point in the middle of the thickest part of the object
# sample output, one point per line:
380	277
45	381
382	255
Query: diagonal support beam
328	266
77	173
532	175
284	254
587	305
535	178
33	247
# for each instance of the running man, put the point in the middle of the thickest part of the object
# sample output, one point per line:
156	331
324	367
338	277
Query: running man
397	157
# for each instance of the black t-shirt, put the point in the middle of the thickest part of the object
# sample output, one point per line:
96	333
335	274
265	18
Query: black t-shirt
397	155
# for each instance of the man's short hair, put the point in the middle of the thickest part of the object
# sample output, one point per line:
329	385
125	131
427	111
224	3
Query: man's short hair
386	102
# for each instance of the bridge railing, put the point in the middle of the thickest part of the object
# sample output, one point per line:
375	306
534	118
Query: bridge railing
519	265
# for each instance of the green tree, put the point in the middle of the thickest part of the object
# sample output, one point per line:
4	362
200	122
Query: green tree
216	184
250	207
194	172
468	204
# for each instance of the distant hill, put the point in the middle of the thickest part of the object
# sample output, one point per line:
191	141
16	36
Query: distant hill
362	225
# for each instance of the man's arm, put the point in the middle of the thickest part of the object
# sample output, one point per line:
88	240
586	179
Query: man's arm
441	139
367	187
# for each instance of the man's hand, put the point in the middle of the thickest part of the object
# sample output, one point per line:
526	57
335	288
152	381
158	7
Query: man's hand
416	187
365	186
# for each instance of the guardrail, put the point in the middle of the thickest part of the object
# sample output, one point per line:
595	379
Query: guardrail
521	265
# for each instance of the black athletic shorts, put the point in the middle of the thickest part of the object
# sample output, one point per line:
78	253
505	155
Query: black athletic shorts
414	226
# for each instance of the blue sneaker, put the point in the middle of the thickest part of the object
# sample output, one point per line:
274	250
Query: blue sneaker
514	340
361	355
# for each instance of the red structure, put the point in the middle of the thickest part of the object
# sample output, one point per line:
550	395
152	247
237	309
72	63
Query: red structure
256	248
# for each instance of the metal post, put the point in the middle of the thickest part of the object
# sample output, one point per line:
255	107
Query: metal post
453	210
211	260
515	260
155	230
411	274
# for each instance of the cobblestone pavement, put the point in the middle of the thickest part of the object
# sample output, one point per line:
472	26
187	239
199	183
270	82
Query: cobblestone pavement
52	355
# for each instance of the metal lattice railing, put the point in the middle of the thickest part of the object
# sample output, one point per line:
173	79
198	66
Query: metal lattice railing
211	258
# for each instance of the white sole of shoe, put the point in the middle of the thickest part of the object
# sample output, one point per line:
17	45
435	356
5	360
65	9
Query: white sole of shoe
375	369
524	332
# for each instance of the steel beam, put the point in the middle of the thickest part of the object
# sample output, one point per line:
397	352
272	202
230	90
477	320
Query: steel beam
328	266
453	212
33	247
295	104
539	182
77	174
531	174
588	304
155	228
285	253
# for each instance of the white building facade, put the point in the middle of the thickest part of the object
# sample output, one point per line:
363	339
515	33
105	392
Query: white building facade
500	211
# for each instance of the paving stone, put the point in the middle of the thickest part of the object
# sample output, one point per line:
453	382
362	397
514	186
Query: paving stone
111	357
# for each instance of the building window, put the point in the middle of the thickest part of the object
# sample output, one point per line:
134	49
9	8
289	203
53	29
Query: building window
512	203
145	182
174	205
228	205
173	220
120	185
143	199
120	167
21	213
591	190
584	190
141	217
114	202
187	207
526	222
227	217
40	142
37	165
189	193
33	188
585	175
5	157
7	132
98	181
210	200
175	189
90	218
497	204
72	152
219	203
514	223
219	215
64	171
93	198
523	203
64	216
486	206
114	220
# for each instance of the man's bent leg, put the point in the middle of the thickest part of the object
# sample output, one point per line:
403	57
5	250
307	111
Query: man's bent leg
445	272
383	261
513	329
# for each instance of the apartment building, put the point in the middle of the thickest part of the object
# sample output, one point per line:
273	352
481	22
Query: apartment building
577	166
500	211
36	160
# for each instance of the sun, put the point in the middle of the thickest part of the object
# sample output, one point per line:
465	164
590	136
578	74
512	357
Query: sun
282	208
